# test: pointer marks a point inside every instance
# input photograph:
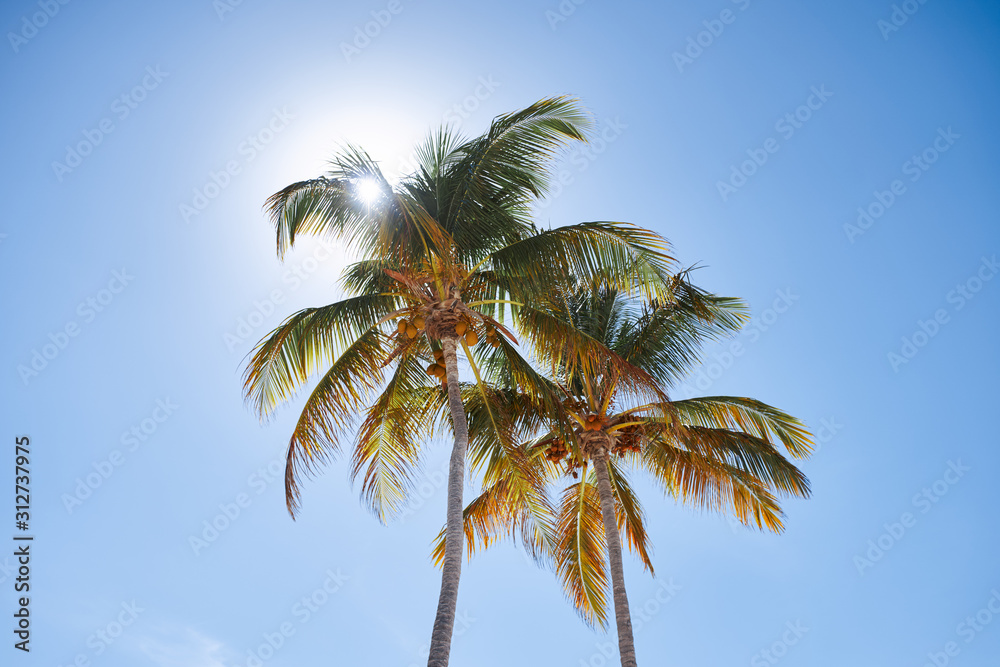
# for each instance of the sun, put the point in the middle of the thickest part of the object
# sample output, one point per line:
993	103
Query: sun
368	190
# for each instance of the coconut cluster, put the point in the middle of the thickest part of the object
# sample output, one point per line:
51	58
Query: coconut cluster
629	441
593	423
556	451
441	323
492	337
411	328
437	369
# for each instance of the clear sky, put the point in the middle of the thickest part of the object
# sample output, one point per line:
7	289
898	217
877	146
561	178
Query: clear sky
140	141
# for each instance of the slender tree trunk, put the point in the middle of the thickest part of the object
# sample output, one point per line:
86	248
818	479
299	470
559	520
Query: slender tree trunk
454	535
626	643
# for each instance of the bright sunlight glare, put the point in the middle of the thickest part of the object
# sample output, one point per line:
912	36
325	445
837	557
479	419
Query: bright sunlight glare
368	190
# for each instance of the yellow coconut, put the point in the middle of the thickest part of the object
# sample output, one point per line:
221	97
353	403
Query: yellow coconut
441	371
461	328
432	369
439	354
411	331
401	326
471	338
419	322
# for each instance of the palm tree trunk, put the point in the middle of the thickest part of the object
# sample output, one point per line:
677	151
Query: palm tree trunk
454	535
626	643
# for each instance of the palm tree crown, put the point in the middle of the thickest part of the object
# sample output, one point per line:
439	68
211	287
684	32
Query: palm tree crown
448	255
720	453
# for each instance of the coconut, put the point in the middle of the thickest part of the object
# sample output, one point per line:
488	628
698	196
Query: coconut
439	354
471	338
419	322
401	326
432	369
461	328
411	331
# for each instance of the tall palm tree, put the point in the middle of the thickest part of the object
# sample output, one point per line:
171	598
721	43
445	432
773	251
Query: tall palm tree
718	452
448	253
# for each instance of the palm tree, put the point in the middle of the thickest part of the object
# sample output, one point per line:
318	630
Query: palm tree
448	253
718	452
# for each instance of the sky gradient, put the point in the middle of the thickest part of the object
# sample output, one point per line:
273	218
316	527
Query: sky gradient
834	164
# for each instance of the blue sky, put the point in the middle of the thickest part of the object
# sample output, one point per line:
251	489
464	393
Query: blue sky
141	141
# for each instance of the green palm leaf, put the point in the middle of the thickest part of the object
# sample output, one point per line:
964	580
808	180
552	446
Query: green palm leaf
331	408
306	342
387	452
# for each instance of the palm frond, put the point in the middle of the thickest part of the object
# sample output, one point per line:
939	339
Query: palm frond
668	338
629	514
580	560
388	446
617	254
572	353
493	178
746	452
331	408
748	416
504	510
305	343
395	225
713	484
